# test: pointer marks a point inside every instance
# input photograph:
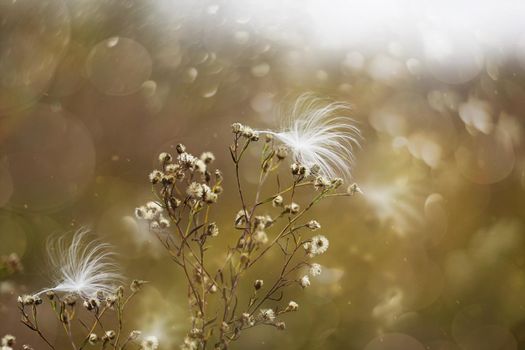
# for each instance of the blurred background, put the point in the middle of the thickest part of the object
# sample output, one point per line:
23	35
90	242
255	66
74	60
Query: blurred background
431	256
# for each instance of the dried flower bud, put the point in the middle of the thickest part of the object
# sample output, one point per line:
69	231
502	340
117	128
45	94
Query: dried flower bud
27	347
26	299
292	208
258	284
315	270
237	128
292	306
337	182
313	225
267	314
180	148
155	176
304	281
88	305
207	157
318	245
167	179
353	189
218	175
321	182
136	285
165	157
111	300
195	190
93	339
212	230
110	334
172	168
298	169
268	138
278	201
8	340
50	295
225	327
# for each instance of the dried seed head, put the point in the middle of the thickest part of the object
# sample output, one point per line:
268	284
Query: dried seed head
313	225
237	128
165	157
218	175
207	157
155	176
136	285
292	306
240	219
299	170
280	326
195	190
315	270
304	281
172	168
180	148
267	314
278	201
93	339
110	335
212	230
292	208
353	189
258	284
337	182
321	182
8	340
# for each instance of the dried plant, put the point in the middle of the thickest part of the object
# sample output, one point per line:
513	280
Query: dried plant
85	277
187	190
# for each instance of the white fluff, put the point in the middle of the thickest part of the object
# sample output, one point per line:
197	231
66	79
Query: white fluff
319	132
81	266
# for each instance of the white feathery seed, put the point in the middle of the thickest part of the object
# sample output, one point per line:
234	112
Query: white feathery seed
318	132
82	267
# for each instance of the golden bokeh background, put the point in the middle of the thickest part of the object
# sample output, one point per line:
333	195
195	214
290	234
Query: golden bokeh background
431	256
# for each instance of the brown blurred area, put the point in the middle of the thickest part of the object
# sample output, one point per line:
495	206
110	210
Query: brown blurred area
431	256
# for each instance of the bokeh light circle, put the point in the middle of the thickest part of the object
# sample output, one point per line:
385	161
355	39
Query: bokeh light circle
29	54
118	66
453	57
51	159
486	159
